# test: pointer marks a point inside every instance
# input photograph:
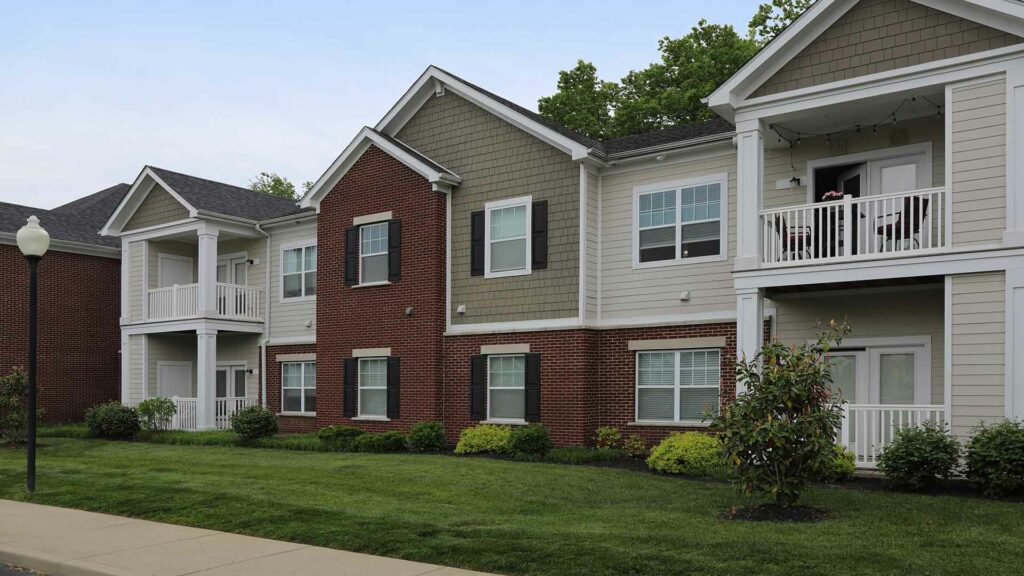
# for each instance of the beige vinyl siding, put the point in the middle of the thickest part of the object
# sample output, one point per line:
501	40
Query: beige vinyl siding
159	207
978	385
979	162
593	245
879	35
871	314
172	248
245	348
288	318
136	284
136	347
628	293
254	249
498	161
170	347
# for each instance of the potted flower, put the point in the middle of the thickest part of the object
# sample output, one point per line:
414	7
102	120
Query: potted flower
831	195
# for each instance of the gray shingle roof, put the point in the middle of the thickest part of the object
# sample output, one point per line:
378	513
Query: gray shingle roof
220	198
78	221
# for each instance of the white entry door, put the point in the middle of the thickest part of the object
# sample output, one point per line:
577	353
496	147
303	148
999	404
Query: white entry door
173	270
174	379
232	270
231	381
899	375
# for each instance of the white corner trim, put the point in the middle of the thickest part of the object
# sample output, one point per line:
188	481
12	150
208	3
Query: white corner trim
505	349
370	352
678	343
581	271
371	218
947	349
295	358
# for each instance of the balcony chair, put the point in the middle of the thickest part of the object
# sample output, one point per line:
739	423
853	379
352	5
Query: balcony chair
904	225
793	241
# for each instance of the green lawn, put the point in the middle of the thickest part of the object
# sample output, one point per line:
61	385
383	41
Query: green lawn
518	518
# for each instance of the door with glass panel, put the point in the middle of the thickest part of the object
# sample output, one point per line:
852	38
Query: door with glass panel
232	272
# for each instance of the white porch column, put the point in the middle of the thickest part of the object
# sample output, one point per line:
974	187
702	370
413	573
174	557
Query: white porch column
207	270
126	369
749	190
1014	235
206	373
749	325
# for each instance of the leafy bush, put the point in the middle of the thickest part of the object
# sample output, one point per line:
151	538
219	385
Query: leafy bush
995	458
607	437
156	413
485	438
13	407
339	437
918	456
427	437
687	453
253	423
843	465
530	440
781	433
113	421
635	447
582	455
391	441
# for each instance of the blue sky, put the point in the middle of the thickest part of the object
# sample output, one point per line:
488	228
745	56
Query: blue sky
91	92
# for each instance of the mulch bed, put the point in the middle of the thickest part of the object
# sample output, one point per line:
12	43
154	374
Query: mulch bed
775	513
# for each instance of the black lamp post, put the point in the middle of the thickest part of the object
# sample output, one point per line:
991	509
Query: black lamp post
33	242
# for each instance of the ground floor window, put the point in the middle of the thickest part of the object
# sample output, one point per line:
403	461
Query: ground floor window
373	387
506	387
677	385
298	386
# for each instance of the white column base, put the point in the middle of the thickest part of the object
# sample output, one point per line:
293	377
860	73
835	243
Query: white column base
206	385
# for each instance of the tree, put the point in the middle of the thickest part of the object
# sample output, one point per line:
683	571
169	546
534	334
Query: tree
271	183
774	17
583	101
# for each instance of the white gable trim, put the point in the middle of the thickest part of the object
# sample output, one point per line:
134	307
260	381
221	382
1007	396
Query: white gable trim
434	81
140	189
442	181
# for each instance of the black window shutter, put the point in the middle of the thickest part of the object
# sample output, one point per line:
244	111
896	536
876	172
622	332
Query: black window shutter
532	412
539	235
394	250
352	256
477	388
393	396
477	245
351	377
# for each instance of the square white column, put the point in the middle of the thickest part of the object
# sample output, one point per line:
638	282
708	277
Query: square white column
207	271
749	190
749	326
206	372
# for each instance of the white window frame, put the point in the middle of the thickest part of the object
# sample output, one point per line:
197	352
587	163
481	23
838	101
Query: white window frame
280	273
873	160
489	371
676	387
302	381
722	179
387	236
360	387
498	205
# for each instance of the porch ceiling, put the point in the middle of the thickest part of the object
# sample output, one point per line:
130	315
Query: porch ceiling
935	282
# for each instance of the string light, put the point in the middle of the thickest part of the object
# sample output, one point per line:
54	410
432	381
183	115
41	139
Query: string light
889	118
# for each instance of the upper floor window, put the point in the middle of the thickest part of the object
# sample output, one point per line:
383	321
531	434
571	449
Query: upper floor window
373	253
677	386
298	272
681	221
508	237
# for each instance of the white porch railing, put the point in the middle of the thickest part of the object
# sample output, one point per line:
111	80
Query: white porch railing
868	428
234	301
187	414
237	301
897	224
187	417
225	408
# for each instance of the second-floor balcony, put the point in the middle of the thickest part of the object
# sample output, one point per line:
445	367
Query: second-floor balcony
181	301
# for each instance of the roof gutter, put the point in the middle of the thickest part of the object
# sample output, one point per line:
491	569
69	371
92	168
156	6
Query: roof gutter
69	246
631	154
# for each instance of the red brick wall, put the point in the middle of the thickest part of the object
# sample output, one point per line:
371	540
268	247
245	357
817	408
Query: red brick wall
374	317
79	335
287	423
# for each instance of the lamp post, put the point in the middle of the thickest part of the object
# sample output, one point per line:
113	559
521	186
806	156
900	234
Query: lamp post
33	242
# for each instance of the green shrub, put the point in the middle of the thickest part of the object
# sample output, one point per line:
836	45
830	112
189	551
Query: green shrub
339	437
13	407
918	456
691	453
427	437
529	440
485	438
607	437
156	413
582	455
995	458
113	421
635	447
254	422
391	441
842	467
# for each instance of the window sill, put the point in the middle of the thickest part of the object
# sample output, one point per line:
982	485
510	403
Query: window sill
672	424
371	284
296	299
371	419
679	262
507	274
505	422
302	414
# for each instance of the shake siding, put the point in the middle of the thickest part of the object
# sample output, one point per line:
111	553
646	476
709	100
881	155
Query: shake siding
288	318
498	161
136	283
978	384
135	366
979	162
244	347
648	292
159	207
880	35
871	315
170	347
593	250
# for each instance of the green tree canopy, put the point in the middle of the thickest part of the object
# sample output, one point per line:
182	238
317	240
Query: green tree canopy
273	184
583	101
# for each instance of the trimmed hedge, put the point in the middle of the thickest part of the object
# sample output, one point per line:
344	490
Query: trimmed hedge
254	423
529	440
113	421
919	456
691	453
995	458
381	442
482	439
339	437
427	437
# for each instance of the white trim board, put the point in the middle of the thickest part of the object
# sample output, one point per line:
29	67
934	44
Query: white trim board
144	183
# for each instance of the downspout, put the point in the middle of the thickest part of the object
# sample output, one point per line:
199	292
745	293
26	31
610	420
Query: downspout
266	322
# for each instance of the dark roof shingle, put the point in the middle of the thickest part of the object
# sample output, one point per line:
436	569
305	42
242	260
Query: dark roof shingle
79	221
220	198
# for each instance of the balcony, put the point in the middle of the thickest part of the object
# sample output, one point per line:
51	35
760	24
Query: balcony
868	428
181	301
871	227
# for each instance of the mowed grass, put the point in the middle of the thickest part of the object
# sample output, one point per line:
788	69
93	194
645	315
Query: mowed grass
516	517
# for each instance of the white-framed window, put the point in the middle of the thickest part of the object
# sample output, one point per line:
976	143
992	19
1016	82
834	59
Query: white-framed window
677	385
506	387
373	387
298	272
298	387
373	253
507	245
683	221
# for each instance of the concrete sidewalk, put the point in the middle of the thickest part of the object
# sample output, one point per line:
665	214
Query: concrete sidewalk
75	543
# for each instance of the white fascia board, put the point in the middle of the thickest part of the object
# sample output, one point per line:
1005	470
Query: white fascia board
133	199
1002	15
70	247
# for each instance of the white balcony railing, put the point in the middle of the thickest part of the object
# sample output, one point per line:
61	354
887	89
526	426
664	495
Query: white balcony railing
237	301
897	224
182	301
187	417
187	414
868	428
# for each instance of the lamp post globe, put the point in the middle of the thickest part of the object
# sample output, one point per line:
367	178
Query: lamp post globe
33	241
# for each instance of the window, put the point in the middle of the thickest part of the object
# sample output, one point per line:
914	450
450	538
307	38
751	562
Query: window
373	387
681	222
677	386
298	272
373	253
506	387
298	386
508	237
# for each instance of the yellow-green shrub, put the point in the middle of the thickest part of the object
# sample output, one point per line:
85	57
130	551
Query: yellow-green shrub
687	453
484	438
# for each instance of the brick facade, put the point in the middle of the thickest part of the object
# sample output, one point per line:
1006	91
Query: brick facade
79	336
286	423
